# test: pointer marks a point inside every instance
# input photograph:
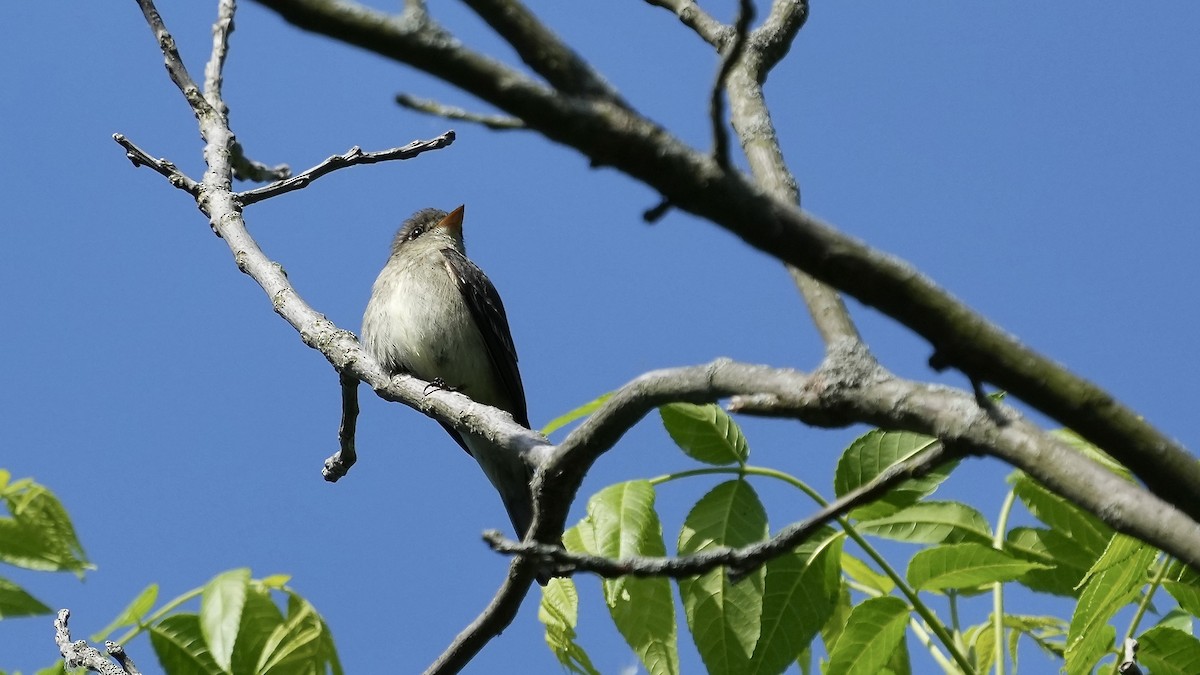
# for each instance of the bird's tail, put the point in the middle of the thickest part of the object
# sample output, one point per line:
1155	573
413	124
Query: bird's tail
510	475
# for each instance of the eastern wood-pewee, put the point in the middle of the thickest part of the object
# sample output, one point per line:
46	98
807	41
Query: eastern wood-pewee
435	315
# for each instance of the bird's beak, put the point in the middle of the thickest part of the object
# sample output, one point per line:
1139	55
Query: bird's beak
453	221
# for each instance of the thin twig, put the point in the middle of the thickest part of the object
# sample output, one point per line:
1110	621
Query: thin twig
716	100
245	168
739	561
655	213
168	170
774	37
175	68
213	72
431	107
352	157
337	465
118	652
693	16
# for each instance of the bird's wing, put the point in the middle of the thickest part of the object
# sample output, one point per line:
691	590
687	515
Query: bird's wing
487	310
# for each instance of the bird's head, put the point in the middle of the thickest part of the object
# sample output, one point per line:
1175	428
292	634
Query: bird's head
431	227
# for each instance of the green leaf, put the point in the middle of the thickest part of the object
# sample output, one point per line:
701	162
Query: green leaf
980	641
624	523
1092	452
221	605
831	632
801	593
275	581
1169	651
873	630
899	662
582	411
559	612
14	601
132	614
872	453
705	433
862	573
724	618
931	522
1112	583
180	646
1178	619
1186	594
1067	562
1085	530
39	535
260	618
296	646
963	567
327	651
1047	632
581	539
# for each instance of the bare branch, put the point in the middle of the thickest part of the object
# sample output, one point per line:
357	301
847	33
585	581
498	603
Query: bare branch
828	312
213	71
709	29
352	157
245	168
167	169
853	389
774	38
431	107
118	652
716	100
542	50
340	463
655	213
175	68
739	561
79	654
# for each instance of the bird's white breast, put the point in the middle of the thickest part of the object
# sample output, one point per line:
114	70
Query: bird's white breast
417	322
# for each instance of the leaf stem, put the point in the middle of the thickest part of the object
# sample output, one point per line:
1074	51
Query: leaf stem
997	587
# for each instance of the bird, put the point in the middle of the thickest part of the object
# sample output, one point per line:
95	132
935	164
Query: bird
435	315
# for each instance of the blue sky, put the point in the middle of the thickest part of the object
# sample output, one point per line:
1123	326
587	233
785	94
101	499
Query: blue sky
1042	164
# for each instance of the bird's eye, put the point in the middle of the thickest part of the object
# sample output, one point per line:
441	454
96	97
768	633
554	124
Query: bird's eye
417	231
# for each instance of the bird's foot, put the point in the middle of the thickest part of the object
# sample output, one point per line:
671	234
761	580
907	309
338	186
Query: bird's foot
438	384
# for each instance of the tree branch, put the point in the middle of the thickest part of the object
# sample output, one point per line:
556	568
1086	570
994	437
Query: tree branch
738	561
431	107
614	136
213	71
165	168
774	38
352	157
709	29
175	68
853	389
716	100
